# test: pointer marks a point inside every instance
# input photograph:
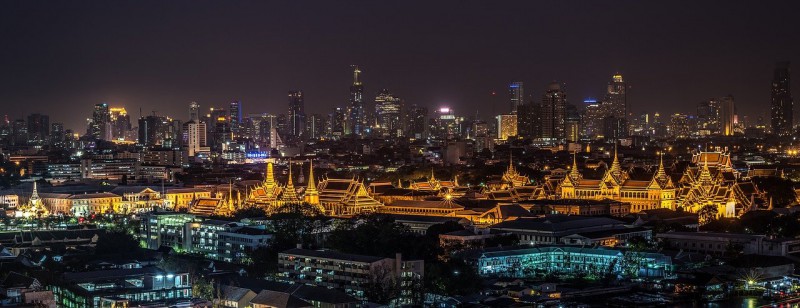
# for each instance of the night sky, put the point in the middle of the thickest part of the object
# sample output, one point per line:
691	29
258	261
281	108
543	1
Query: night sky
62	57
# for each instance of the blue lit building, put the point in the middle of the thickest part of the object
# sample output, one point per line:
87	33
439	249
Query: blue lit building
567	260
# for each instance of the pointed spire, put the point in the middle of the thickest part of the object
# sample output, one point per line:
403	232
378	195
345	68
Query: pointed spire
574	172
311	185
289	182
661	173
615	167
433	177
269	178
455	180
35	193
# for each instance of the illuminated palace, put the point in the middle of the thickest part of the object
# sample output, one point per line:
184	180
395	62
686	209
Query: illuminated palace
271	196
711	180
336	197
616	184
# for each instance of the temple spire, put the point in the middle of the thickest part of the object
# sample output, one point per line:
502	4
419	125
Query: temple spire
615	169
574	172
661	172
312	187
269	178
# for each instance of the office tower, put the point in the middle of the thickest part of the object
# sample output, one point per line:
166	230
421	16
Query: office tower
516	93
782	104
356	119
315	126
388	114
445	124
194	132
572	123
338	122
554	105
593	118
680	126
506	126
529	121
120	123
614	128
99	124
616	97
615	106
57	133
417	122
235	118
38	127
709	117
19	132
297	114
727	113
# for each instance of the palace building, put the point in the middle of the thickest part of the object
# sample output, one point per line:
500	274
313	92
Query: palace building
711	180
616	184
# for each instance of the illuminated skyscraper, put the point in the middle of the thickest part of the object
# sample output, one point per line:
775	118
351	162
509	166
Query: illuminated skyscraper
506	126
356	119
445	124
708	117
593	119
120	123
516	93
616	105
388	114
235	117
194	133
554	106
417	122
99	124
572	123
338	122
297	114
727	112
782	103
38	127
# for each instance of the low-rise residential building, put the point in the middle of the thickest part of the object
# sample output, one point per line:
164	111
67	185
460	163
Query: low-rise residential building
347	272
126	287
719	243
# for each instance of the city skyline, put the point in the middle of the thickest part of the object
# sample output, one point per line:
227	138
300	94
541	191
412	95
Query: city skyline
48	67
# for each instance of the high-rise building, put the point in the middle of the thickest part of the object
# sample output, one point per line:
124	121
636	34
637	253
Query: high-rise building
388	110
708	117
727	112
506	126
680	126
516	93
572	123
593	118
417	122
99	124
338	122
297	114
554	106
315	126
356	119
235	118
38	127
120	123
616	102
445	124
782	104
529	119
57	134
194	133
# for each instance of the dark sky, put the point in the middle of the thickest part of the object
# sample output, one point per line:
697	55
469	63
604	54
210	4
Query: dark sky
61	57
